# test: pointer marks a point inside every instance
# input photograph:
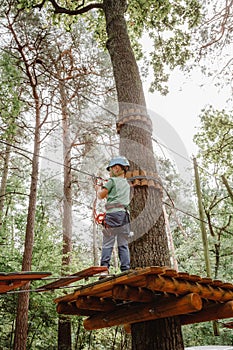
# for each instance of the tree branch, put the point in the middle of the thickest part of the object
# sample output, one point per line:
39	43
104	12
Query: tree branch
78	11
224	16
14	192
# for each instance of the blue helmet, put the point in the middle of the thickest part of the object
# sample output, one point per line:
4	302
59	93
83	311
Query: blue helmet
118	161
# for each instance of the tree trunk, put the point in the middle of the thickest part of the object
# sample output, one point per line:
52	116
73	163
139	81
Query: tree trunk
64	327
23	299
4	181
150	246
157	335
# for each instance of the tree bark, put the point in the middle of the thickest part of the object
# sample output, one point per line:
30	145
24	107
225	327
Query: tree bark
64	327
150	246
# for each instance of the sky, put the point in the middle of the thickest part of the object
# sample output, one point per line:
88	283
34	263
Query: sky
183	104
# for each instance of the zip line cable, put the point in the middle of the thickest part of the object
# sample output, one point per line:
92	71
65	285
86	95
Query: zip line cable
92	175
88	174
46	158
194	217
185	158
169	149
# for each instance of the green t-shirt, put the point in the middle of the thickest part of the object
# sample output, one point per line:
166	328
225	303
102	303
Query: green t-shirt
118	193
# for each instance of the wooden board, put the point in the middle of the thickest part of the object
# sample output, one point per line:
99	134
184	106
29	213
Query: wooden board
23	275
66	280
103	288
13	280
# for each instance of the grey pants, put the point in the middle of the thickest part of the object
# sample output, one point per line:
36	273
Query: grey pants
117	228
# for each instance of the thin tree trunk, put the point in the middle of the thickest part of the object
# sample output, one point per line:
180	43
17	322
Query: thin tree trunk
226	184
64	327
23	299
170	240
202	219
4	181
150	246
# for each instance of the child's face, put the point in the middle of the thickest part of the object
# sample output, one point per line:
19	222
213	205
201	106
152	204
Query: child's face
114	170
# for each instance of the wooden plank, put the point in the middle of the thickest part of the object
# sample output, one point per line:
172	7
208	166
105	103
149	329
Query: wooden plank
171	272
71	309
165	307
94	303
217	283
193	278
228	325
23	276
124	292
171	285
184	275
206	280
14	280
227	286
66	280
210	313
103	288
9	286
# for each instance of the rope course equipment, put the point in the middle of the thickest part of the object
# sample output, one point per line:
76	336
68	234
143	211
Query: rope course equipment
134	116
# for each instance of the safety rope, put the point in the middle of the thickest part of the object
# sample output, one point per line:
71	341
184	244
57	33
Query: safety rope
98	218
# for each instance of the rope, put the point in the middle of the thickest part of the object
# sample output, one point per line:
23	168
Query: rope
98	218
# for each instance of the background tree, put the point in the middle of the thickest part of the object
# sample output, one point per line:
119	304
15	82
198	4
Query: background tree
212	43
10	111
24	53
214	140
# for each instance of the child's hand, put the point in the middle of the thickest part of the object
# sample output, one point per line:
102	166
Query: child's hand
98	187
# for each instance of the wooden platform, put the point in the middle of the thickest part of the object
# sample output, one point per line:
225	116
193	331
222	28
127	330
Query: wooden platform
146	294
67	280
13	280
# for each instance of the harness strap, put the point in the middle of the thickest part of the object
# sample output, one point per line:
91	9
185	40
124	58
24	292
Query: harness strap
115	205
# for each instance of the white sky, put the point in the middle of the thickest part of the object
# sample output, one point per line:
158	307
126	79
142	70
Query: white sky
182	106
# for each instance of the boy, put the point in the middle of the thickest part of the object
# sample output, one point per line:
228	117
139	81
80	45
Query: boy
116	222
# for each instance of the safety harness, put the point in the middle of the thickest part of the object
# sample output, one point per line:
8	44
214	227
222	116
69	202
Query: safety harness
99	219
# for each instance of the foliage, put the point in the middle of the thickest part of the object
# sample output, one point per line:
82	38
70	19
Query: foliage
168	25
9	94
202	333
215	140
212	42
